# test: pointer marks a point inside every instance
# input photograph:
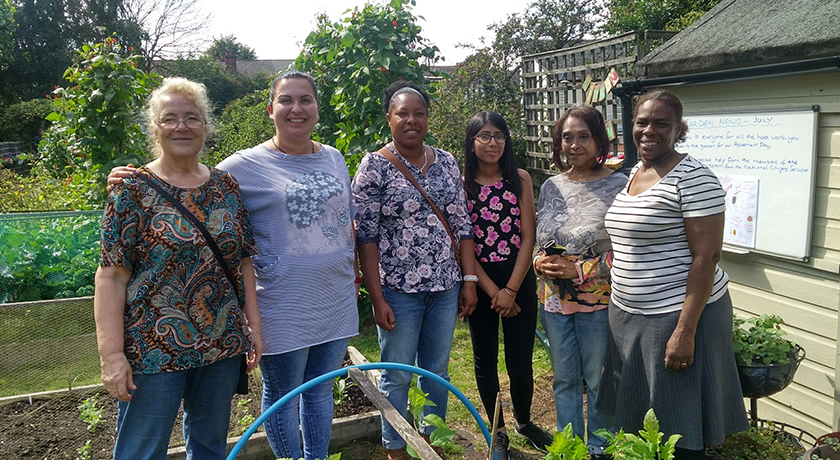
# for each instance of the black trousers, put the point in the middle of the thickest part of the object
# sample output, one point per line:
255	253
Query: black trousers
518	339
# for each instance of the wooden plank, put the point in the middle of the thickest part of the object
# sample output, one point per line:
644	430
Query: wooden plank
358	358
411	437
787	280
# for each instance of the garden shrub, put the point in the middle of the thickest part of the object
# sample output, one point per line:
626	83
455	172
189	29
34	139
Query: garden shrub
39	192
21	121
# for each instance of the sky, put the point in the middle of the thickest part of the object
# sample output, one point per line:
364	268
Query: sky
276	28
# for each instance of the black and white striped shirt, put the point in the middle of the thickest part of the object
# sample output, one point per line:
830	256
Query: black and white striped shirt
651	253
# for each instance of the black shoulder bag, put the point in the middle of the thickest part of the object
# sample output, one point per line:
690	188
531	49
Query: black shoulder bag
242	386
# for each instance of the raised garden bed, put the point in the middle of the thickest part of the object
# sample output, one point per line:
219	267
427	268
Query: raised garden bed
48	425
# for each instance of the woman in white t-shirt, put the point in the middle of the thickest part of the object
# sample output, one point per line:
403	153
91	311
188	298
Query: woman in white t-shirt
670	311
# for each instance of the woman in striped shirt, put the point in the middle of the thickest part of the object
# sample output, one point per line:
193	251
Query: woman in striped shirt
670	312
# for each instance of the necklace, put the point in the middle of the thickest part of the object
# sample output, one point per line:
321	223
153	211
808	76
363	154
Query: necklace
425	156
312	144
591	175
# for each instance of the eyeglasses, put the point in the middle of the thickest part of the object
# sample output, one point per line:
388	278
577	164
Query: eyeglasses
173	122
485	138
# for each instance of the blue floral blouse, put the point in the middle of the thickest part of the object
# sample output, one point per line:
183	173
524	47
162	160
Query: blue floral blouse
415	252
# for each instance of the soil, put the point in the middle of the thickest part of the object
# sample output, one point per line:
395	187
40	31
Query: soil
50	428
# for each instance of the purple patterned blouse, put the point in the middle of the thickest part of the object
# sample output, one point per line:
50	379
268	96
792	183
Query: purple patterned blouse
415	252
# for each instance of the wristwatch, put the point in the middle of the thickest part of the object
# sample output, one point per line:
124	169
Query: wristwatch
473	278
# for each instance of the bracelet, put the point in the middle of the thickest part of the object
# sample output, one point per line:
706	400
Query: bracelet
508	292
473	278
358	280
511	289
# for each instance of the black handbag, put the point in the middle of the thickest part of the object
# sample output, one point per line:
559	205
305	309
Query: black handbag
242	385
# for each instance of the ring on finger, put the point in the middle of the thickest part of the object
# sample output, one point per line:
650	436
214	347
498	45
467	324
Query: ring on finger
683	364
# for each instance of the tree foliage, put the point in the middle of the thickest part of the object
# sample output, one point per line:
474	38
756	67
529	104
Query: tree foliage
46	36
223	86
637	15
480	82
96	118
544	25
222	45
8	26
353	61
243	124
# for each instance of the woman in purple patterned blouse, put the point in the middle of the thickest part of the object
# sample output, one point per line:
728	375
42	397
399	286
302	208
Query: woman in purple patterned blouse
500	199
407	257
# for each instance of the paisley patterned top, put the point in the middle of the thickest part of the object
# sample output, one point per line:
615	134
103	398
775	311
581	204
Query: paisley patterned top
180	310
415	252
571	214
496	224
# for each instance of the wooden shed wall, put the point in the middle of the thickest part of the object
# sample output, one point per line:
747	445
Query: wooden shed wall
805	294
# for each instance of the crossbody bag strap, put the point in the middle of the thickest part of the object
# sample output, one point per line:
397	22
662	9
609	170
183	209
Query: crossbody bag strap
208	238
401	167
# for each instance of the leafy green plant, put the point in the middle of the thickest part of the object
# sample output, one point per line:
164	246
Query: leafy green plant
646	446
757	443
760	340
96	116
340	385
51	257
91	414
353	61
566	446
442	434
84	451
246	420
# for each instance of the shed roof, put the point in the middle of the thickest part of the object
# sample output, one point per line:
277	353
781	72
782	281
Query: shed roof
745	33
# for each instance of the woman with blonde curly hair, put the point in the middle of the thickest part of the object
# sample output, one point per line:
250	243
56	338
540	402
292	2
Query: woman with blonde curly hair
171	323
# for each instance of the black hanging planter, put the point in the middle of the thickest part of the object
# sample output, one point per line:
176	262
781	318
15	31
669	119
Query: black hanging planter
760	380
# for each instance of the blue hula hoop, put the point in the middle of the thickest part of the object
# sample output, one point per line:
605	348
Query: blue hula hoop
343	371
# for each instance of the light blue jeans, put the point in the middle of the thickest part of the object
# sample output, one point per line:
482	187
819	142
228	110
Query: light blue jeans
144	424
314	412
578	348
425	323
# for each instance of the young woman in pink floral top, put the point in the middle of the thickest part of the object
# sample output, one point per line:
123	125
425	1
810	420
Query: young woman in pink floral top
500	200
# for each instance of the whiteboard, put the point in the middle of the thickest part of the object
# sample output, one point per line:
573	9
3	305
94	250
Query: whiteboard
779	149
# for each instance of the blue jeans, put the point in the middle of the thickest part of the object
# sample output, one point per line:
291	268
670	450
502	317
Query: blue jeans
314	412
144	424
425	323
578	348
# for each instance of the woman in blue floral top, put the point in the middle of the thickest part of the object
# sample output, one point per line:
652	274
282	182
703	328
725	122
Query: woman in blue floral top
407	258
500	199
169	323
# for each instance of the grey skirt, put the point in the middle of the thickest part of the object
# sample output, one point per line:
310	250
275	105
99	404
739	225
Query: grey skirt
702	402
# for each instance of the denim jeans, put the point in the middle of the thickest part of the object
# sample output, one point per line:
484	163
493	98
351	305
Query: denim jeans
144	424
314	412
425	323
578	348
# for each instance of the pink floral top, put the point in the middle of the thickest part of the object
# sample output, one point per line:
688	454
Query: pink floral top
496	224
